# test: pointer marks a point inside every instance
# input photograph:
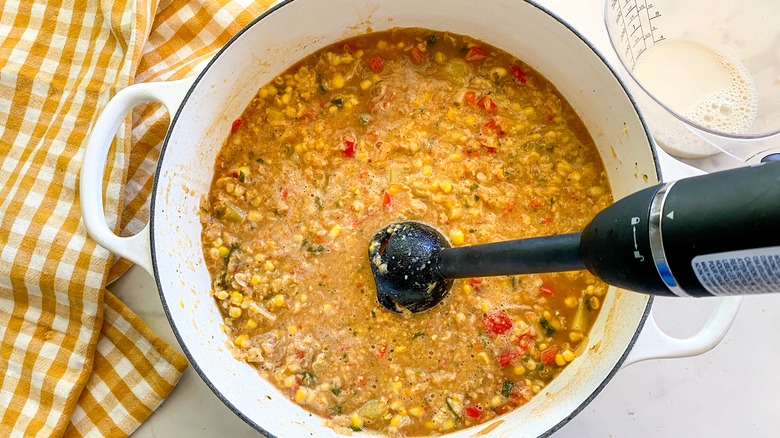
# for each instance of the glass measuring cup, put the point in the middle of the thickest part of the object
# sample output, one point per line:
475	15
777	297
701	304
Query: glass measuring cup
705	74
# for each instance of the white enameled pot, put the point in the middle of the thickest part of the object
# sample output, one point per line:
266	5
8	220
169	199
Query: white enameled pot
203	108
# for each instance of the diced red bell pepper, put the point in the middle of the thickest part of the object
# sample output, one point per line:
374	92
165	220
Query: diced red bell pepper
349	146
376	64
417	56
497	322
548	355
387	199
490	149
507	356
236	124
475	53
492	127
476	281
547	290
536	203
381	353
518	73
472	411
488	105
470	97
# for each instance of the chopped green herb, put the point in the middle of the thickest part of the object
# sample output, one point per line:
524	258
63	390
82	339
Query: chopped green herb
484	339
547	327
506	390
318	202
449	406
336	391
373	314
223	280
321	89
303	244
335	410
474	186
315	249
260	160
418	334
355	428
307	378
339	102
241	177
364	118
233	248
432	39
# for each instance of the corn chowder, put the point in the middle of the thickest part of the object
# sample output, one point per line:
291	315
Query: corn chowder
407	124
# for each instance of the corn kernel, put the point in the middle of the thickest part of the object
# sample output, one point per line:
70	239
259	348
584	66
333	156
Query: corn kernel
289	381
467	289
236	297
570	302
575	336
326	308
223	251
303	298
496	401
590	289
416	411
356	420
400	349
278	300
397	386
593	302
300	395
449	424
255	279
242	341
485	358
427	171
395	421
235	312
269	265
446	186
222	295
559	360
334	232
529	111
251	323
456	237
338	81
292	329
568	355
519	370
456	157
394	188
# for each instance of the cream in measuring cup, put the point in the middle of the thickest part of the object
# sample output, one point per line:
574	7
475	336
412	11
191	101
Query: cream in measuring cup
699	83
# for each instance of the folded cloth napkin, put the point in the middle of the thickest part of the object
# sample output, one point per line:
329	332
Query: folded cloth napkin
74	361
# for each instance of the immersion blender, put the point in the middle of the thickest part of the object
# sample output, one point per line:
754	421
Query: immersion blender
710	235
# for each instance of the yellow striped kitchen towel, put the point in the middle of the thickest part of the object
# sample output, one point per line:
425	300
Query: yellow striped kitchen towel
74	361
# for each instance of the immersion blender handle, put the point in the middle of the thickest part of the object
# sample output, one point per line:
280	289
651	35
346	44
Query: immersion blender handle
715	234
524	256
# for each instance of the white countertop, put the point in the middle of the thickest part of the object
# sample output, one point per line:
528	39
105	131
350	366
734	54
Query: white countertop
730	391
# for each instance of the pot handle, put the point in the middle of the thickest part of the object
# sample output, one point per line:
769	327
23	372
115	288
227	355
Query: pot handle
135	248
652	342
